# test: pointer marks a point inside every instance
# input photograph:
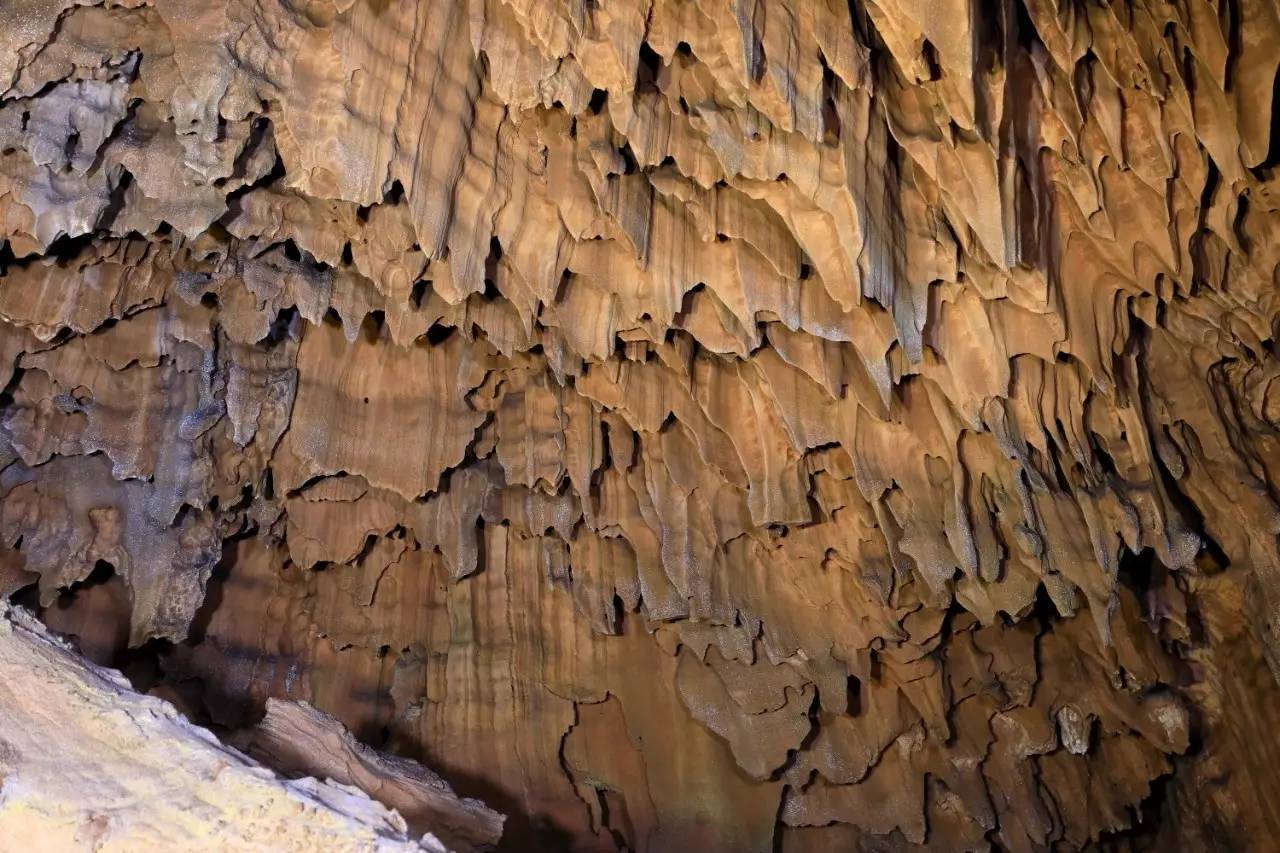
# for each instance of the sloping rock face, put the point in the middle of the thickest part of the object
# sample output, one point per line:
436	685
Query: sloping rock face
688	424
296	738
86	763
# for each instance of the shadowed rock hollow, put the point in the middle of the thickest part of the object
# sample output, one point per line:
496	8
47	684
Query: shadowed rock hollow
684	424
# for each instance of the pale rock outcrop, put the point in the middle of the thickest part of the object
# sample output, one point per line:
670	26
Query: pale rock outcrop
87	763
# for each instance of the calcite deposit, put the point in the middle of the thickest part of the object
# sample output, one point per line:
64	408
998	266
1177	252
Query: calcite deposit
718	425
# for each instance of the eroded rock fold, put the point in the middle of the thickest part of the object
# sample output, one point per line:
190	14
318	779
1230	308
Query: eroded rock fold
684	424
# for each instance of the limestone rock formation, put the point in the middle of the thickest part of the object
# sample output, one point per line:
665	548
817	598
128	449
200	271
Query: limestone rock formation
88	764
684	424
295	737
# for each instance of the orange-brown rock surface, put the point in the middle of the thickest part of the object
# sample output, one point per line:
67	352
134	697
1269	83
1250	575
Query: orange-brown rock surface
685	424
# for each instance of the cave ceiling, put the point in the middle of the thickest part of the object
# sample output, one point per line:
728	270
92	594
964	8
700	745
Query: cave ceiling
683	424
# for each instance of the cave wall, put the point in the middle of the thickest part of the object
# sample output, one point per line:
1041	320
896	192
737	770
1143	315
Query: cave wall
721	425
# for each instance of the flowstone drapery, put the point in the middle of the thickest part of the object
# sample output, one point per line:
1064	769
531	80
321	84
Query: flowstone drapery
684	424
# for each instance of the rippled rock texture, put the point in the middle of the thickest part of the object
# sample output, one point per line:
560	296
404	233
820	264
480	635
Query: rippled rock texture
687	424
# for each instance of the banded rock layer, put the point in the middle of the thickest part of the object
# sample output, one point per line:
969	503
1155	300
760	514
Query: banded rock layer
720	425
